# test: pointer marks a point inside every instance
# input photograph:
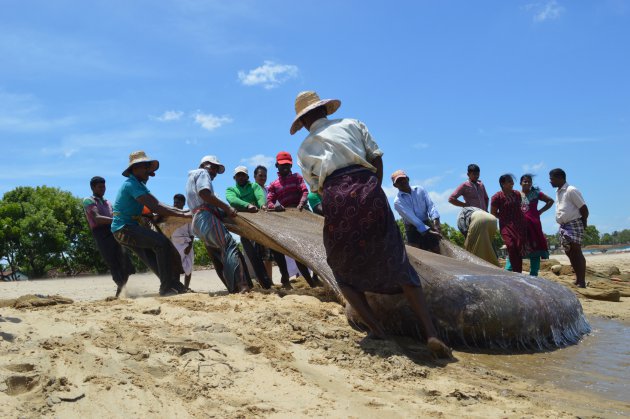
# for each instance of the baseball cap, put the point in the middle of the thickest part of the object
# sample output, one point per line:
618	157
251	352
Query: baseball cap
284	157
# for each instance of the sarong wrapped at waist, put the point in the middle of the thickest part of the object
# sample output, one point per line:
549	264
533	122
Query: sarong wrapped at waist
571	232
364	247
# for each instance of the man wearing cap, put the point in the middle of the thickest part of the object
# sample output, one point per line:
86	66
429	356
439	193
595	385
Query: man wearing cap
154	249
208	211
341	161
98	212
418	213
289	191
250	197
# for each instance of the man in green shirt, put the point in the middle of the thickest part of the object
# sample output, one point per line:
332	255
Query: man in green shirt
249	197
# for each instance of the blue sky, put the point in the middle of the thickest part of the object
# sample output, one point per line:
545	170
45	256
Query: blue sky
512	86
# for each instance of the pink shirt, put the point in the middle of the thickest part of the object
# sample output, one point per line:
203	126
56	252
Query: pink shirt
474	194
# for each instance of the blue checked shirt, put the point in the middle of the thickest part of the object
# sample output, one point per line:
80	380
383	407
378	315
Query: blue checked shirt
416	207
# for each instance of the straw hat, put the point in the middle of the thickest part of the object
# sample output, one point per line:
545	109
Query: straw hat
306	102
140	157
214	160
398	174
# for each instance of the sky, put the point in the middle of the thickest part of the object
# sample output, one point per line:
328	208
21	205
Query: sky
513	86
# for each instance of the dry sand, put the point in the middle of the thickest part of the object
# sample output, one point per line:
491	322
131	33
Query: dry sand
266	354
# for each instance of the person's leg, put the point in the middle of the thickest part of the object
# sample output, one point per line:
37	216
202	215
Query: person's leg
216	237
576	257
152	248
282	265
508	265
534	265
257	264
515	259
358	301
416	300
306	274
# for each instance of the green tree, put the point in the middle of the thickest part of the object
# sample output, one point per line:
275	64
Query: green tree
40	225
591	236
453	235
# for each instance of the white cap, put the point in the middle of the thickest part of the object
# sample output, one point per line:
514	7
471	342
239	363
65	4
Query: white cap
241	169
213	160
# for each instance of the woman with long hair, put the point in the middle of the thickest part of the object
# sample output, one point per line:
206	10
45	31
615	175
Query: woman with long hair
506	206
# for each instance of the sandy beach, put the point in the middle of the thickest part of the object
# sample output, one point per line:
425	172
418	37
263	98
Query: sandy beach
283	354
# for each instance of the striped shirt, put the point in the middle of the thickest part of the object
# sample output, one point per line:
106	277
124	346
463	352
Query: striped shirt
289	191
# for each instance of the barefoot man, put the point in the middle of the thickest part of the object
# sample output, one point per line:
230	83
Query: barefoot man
364	247
571	214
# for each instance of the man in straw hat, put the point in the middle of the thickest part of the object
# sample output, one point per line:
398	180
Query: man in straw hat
364	247
154	249
208	211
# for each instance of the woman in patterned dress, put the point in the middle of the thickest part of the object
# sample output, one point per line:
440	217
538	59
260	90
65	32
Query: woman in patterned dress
506	206
536	240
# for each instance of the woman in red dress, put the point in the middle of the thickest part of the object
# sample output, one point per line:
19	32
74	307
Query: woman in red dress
506	206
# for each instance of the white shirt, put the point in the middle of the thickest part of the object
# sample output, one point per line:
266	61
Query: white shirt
569	200
334	144
198	180
416	207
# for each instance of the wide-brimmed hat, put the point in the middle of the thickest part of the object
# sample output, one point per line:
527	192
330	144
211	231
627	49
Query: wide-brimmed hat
306	102
398	174
214	160
284	157
140	157
241	169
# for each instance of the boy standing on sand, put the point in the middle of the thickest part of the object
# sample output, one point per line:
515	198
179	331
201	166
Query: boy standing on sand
183	239
99	214
473	191
571	214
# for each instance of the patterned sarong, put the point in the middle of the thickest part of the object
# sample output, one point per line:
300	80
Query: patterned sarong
364	247
209	228
571	232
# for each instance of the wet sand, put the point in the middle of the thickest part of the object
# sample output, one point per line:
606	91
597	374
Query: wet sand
279	354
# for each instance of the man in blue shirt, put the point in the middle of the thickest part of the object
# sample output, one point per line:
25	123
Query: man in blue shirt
154	249
419	214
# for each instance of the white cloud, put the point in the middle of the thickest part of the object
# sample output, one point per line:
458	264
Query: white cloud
211	122
440	199
420	146
259	160
269	75
170	116
533	168
549	10
426	183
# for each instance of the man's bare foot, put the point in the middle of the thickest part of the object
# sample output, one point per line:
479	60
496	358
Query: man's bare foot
439	349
